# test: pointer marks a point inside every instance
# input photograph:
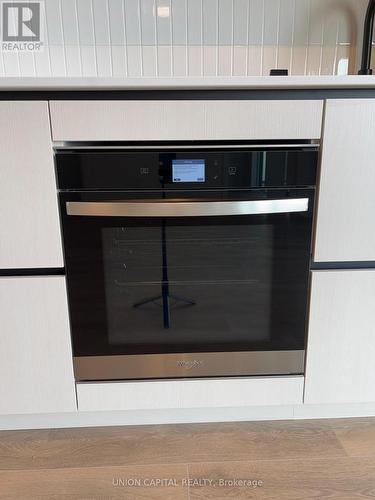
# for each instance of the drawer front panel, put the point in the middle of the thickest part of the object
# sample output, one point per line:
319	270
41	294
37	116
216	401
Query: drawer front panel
185	120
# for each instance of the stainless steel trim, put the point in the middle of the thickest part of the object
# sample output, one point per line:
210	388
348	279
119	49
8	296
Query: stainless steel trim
140	147
189	365
176	208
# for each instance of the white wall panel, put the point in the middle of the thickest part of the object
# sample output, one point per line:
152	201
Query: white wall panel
104	60
11	64
179	22
286	23
43	64
2	69
88	60
134	60
194	22
119	61
305	36
224	60
149	60
69	19
132	22
240	22
271	21
148	22
57	60
210	24
225	20
210	58
53	15
180	57
163	22
195	60
73	60
85	22
302	18
116	13
164	61
239	61
254	61
100	15
27	64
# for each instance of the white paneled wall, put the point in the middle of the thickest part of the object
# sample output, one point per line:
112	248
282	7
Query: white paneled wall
193	37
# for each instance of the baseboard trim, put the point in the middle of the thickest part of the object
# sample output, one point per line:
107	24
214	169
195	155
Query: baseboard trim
196	415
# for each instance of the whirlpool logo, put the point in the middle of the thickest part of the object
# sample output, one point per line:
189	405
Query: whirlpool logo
189	364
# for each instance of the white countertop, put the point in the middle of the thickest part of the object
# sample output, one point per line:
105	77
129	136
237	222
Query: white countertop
260	82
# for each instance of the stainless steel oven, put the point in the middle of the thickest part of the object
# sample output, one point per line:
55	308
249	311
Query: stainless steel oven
187	261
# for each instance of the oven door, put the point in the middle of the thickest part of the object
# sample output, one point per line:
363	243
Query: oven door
183	287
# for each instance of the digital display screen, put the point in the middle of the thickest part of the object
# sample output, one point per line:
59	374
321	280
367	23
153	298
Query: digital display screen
188	171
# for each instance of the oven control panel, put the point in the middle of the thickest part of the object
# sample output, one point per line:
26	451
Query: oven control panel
185	169
209	170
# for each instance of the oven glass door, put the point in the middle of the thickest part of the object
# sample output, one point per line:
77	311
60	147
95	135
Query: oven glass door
171	277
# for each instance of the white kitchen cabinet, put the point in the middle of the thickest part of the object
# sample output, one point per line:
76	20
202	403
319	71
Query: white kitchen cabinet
341	339
185	120
345	229
29	221
36	372
194	393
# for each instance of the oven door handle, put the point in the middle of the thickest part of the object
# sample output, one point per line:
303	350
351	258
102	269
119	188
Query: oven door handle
174	208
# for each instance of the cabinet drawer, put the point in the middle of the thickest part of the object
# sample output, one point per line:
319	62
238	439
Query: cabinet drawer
199	393
185	120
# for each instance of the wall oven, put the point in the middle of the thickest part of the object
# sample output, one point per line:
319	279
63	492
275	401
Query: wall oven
187	261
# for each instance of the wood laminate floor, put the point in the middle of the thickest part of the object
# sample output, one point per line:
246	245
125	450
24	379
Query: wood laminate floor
333	459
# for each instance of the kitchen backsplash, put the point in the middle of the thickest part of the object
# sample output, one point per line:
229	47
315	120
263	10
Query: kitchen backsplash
193	37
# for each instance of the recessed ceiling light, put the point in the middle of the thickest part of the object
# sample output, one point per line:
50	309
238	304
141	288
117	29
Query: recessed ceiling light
163	11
